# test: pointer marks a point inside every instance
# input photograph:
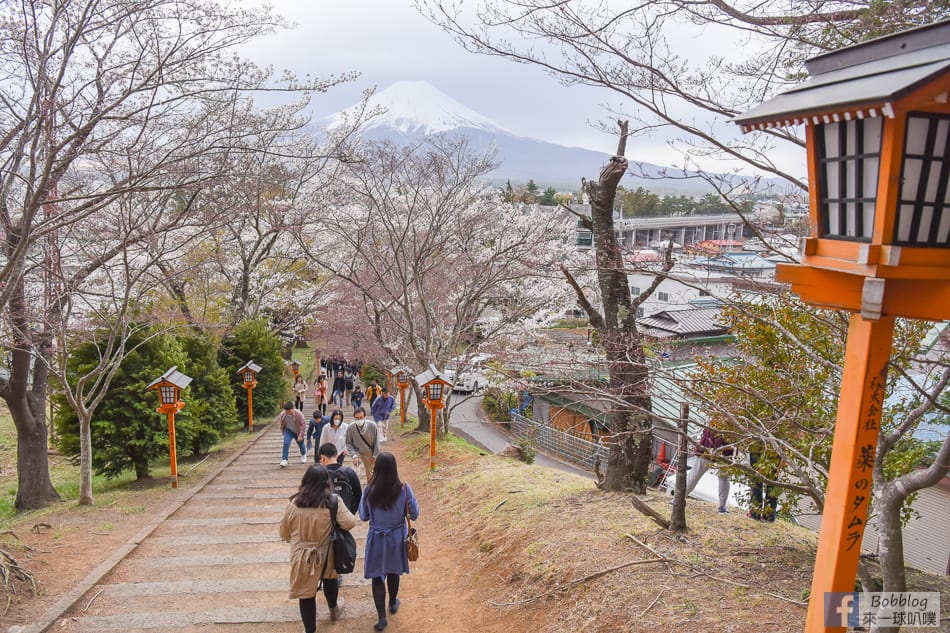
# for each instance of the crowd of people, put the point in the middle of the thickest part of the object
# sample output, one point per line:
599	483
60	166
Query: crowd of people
385	502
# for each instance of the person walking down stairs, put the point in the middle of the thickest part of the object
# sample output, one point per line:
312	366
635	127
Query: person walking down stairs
386	503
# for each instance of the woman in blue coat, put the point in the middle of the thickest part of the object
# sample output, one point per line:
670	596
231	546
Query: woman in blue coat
384	506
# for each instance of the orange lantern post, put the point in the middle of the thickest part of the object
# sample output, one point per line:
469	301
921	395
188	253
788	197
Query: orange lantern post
877	117
169	386
294	368
401	377
434	385
249	374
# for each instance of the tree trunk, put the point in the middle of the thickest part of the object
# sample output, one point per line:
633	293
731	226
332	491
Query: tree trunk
141	471
678	516
630	417
34	487
890	545
85	461
631	422
28	408
422	412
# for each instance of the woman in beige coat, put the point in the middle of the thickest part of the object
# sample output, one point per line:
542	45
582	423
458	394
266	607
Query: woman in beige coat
306	524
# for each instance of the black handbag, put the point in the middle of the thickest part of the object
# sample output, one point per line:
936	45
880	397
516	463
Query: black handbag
343	544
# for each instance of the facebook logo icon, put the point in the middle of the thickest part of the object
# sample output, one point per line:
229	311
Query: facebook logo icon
841	609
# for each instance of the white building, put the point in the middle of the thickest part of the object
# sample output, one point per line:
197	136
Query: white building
681	287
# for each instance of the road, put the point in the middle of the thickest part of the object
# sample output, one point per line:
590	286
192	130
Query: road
469	421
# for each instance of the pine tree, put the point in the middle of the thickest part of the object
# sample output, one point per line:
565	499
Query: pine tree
253	340
508	193
127	431
548	197
212	407
532	192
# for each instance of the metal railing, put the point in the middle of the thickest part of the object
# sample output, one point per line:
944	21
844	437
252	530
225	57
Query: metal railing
557	442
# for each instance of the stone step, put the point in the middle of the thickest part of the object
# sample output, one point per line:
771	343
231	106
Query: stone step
217	564
262	607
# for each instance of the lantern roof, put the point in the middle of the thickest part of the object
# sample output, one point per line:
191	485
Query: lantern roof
399	368
172	376
254	367
858	81
432	374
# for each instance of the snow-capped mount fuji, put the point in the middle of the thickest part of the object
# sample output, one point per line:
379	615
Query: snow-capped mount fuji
411	110
415	108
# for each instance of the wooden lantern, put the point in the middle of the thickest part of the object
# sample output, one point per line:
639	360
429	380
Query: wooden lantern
169	386
877	124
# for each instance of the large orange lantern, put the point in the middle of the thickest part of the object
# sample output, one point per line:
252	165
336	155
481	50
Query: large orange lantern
248	374
877	125
401	377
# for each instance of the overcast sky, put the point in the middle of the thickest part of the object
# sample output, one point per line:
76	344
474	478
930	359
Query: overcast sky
388	41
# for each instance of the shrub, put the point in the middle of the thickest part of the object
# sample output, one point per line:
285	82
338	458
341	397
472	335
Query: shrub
253	340
497	403
529	449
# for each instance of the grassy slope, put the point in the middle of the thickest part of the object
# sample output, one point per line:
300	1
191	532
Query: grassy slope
531	533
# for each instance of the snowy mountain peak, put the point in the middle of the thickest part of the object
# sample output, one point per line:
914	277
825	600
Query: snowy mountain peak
418	108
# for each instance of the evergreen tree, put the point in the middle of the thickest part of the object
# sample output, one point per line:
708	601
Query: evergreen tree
640	203
548	198
532	192
508	193
253	340
212	407
127	432
712	204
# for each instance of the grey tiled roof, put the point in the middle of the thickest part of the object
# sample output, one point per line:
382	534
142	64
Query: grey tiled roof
686	322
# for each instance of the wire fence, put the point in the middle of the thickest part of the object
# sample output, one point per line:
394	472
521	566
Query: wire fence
557	442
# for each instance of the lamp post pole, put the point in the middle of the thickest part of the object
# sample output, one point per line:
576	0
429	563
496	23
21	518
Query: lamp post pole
433	414
857	427
248	374
172	452
402	406
169	386
433	384
250	409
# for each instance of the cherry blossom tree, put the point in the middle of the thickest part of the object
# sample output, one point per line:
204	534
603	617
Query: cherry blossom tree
101	100
430	252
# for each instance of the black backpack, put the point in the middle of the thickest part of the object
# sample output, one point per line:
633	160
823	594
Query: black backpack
344	545
341	487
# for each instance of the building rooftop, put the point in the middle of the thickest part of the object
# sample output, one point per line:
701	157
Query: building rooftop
683	323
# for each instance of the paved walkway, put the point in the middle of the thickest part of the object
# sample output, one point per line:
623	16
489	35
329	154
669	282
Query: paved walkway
217	563
468	421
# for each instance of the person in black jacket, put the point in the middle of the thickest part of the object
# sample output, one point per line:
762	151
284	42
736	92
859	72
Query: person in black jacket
351	491
339	388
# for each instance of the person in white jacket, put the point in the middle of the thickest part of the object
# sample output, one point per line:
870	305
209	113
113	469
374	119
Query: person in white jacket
335	433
